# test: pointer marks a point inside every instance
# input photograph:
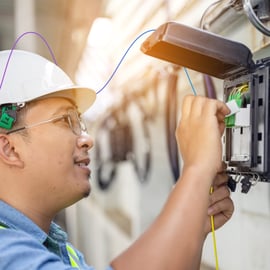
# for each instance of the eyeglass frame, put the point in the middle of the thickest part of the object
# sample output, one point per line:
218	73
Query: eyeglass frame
68	116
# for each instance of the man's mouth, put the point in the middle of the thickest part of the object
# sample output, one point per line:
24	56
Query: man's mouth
82	162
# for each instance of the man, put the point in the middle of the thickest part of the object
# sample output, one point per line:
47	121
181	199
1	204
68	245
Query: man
44	168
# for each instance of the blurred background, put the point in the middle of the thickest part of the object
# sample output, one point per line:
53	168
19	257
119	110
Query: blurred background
135	162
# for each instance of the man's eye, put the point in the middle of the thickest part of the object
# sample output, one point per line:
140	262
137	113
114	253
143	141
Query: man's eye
64	120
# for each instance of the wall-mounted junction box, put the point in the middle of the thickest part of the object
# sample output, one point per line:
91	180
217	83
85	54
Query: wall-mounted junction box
246	139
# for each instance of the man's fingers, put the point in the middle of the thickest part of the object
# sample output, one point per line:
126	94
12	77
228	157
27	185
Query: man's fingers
222	211
186	106
219	194
218	108
221	179
224	206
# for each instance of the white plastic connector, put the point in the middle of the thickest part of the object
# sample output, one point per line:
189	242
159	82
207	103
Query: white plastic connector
232	105
242	118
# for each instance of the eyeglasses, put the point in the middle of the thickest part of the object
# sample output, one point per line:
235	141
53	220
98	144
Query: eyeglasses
72	118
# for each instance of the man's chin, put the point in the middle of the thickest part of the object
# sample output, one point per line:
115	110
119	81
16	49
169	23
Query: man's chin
87	194
87	190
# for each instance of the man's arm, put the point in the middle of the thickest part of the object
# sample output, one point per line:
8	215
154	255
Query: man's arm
175	239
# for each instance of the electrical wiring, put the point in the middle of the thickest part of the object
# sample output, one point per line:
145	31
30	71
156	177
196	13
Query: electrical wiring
171	122
122	58
239	95
214	235
190	82
54	59
206	11
14	46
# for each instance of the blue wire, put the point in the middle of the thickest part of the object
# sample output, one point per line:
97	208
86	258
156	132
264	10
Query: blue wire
112	75
102	88
123	57
190	82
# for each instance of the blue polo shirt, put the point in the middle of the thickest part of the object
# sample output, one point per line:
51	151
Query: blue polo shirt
24	246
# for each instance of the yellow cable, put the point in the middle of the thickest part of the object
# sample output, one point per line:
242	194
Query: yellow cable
214	235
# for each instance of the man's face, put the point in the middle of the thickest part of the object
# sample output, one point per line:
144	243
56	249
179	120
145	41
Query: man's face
55	159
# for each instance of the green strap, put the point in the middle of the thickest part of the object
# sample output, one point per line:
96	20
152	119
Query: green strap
73	257
2	227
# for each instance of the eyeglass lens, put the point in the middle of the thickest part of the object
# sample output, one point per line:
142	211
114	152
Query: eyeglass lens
76	123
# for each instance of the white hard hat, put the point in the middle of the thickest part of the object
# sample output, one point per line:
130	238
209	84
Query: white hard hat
26	76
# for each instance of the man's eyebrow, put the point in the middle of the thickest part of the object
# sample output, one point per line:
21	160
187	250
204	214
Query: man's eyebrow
65	109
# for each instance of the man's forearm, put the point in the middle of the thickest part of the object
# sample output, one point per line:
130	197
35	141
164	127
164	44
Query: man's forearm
175	239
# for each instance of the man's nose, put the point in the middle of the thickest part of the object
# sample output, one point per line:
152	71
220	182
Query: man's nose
85	141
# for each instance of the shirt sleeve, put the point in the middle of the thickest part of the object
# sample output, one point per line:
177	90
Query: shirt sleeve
20	251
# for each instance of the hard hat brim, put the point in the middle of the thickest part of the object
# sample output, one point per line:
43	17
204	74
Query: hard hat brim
28	76
82	97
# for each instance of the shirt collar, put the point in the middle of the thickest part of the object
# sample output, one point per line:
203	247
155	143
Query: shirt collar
12	218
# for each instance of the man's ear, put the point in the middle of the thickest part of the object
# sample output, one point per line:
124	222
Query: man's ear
8	154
